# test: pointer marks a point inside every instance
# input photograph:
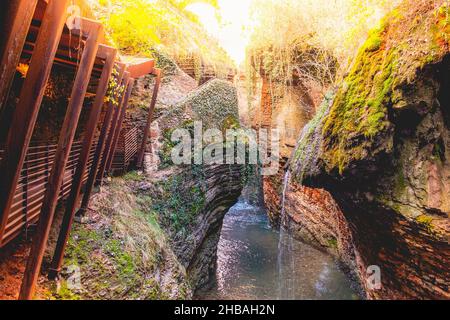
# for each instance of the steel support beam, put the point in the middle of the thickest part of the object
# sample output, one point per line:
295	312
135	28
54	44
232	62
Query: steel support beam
140	161
57	173
26	112
77	183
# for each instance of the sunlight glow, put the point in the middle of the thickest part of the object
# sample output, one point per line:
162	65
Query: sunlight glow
232	29
339	25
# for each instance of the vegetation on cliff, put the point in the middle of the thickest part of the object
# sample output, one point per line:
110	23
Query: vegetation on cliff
121	251
179	200
313	41
381	148
306	155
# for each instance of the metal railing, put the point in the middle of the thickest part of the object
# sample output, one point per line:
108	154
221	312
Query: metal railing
32	184
126	150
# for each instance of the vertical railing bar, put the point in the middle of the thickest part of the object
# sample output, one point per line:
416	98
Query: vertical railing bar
108	146
25	196
146	132
127	95
99	151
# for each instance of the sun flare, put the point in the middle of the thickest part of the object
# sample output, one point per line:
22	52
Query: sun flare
232	29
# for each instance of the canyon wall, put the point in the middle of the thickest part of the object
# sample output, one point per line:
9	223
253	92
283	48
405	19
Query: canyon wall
193	199
381	148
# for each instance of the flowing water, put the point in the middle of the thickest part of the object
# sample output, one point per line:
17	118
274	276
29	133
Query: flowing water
258	262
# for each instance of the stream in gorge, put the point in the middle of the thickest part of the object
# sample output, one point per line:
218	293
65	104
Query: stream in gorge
256	261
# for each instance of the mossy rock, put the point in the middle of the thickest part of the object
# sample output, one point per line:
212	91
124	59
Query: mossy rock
386	77
164	62
215	104
306	156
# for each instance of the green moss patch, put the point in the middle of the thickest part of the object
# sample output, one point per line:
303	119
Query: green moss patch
306	155
215	103
426	222
359	112
178	202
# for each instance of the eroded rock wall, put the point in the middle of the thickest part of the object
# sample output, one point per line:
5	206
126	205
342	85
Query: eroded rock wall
286	109
380	147
313	216
198	249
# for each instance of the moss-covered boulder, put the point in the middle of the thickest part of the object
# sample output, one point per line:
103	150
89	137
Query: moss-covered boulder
215	103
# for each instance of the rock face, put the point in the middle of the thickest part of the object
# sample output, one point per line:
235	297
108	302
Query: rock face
273	193
381	148
287	101
313	216
192	200
286	108
197	249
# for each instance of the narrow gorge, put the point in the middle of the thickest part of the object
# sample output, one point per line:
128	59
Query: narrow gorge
159	184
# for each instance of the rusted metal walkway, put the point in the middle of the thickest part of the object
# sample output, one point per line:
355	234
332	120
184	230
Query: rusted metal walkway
36	175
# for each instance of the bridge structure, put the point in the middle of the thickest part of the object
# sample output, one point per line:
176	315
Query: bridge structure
39	175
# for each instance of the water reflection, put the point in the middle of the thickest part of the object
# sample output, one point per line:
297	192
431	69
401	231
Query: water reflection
257	262
306	273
